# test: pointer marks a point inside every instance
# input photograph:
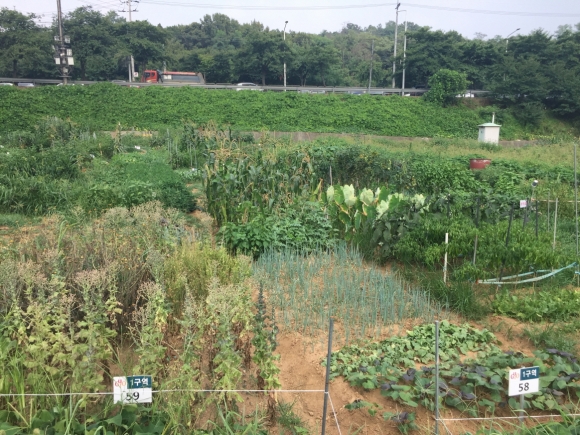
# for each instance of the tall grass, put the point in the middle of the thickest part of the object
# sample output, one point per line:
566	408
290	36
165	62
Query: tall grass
309	289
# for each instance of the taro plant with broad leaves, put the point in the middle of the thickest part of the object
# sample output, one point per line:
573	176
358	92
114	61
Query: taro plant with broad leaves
385	216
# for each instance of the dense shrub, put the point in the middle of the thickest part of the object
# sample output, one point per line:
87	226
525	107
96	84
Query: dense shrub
104	106
60	166
304	227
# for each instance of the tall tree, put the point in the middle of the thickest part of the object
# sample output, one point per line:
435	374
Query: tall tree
91	37
142	40
430	51
262	53
25	48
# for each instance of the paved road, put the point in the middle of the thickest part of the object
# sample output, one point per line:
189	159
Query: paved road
303	89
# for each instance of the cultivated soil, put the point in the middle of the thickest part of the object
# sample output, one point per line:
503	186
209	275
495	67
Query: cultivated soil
301	369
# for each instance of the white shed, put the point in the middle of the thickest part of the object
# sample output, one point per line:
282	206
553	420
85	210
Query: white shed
489	132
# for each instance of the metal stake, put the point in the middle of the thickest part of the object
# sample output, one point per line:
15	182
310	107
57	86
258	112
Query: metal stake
327	381
445	260
549	191
507	239
436	377
576	199
476	225
555	224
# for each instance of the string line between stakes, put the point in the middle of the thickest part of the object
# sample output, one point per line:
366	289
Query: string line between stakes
107	393
334	413
509	418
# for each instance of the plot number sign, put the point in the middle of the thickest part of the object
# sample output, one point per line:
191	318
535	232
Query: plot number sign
524	381
132	389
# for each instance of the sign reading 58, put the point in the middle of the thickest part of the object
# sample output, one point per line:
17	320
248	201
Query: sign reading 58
524	381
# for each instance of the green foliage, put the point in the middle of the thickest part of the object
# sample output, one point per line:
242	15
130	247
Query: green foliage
264	341
472	385
191	268
303	228
552	305
307	289
74	288
103	106
129	419
239	189
560	336
445	85
131	179
62	165
457	295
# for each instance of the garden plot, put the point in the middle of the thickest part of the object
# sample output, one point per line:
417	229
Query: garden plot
307	290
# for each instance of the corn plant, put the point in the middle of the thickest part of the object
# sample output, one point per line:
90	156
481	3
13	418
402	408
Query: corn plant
238	189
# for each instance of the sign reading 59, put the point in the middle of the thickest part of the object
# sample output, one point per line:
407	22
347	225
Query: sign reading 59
132	389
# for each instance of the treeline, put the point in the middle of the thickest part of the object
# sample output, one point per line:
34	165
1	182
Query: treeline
532	73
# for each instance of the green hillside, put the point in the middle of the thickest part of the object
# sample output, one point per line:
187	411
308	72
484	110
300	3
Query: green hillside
104	106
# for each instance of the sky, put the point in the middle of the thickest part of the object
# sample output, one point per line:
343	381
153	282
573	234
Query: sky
468	17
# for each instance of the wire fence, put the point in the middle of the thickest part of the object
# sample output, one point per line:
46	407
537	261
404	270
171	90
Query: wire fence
497	419
179	390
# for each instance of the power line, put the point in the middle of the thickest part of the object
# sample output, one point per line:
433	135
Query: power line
370	5
265	8
492	12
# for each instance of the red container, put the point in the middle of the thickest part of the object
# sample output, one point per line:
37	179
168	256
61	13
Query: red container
479	163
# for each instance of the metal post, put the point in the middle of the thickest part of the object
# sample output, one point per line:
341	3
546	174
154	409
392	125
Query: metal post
286	23
330	173
327	380
507	239
549	191
555	224
395	46
436	377
371	68
445	259
476	225
537	206
576	199
522	404
404	57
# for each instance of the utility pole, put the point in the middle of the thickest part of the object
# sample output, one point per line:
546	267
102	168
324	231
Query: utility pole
371	68
395	45
404	58
131	60
62	53
285	24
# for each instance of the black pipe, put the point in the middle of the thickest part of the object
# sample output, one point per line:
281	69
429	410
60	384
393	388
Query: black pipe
507	239
327	380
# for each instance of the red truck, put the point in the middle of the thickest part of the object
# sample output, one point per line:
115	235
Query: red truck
156	76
